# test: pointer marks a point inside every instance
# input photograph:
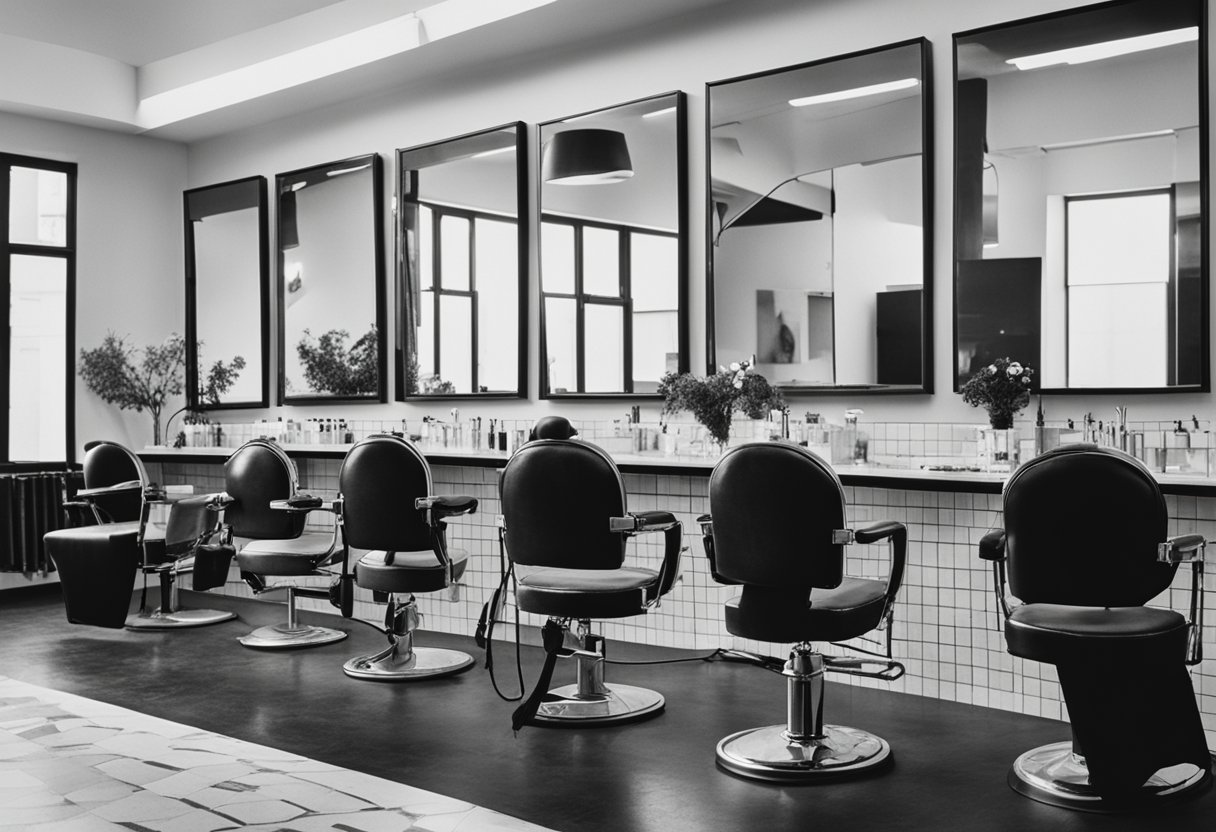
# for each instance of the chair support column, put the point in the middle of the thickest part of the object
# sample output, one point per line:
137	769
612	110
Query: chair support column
804	703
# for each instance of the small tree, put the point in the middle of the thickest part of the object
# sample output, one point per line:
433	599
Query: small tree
111	372
329	367
219	379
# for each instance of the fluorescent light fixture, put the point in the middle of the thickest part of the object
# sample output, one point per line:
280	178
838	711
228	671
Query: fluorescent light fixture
658	113
856	92
1106	49
496	151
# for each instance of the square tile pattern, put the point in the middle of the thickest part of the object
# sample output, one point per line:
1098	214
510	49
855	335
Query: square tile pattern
69	764
947	631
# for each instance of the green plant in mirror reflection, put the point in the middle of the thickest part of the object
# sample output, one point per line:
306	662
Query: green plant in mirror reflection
714	399
332	368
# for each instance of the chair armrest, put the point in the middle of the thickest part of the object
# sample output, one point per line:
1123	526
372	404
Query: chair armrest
303	506
880	531
446	506
897	534
116	488
643	521
1183	548
992	545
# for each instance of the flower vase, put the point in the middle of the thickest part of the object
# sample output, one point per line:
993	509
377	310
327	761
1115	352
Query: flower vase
997	449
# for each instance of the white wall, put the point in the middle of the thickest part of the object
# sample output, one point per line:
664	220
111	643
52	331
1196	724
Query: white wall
129	272
720	43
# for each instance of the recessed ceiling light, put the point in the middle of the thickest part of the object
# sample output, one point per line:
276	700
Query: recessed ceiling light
1106	49
856	92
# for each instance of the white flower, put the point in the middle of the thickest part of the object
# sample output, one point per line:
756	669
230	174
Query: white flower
990	369
734	367
738	383
1015	369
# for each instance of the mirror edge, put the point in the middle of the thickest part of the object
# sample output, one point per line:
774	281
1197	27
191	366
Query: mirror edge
1205	385
381	396
523	221
191	324
683	338
927	190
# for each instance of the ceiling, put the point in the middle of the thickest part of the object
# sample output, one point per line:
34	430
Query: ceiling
186	70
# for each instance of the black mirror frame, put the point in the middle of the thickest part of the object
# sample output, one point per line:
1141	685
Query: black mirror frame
377	196
192	380
682	223
1205	384
403	343
927	176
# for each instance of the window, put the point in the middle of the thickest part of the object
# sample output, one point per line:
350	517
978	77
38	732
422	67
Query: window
1120	283
38	275
467	263
610	297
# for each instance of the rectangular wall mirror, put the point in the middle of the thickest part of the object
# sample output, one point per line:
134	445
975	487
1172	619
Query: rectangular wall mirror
819	222
1080	222
613	264
462	249
227	295
331	283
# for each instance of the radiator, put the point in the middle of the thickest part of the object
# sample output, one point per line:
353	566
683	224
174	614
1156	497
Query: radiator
30	506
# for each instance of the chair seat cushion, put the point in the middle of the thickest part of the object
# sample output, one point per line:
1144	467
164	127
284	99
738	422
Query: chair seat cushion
1056	632
96	566
783	615
409	571
585	593
290	556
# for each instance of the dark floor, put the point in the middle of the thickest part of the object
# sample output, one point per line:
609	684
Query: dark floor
453	735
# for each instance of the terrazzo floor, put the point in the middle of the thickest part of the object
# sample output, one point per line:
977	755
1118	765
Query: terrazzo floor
70	764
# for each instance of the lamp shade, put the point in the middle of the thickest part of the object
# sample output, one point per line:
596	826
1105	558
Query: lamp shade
587	156
289	235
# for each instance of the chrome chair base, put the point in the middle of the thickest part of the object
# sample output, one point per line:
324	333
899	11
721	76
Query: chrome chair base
392	665
176	620
283	636
1052	774
616	704
769	753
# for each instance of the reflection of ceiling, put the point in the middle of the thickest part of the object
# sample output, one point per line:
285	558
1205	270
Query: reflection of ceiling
984	53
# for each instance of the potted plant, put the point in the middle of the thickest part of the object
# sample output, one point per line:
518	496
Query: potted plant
1002	388
714	399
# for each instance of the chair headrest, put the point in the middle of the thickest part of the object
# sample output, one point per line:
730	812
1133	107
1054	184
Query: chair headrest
552	427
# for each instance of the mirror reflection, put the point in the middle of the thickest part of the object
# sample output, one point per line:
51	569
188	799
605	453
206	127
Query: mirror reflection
612	265
462	260
227	294
1079	169
331	293
819	247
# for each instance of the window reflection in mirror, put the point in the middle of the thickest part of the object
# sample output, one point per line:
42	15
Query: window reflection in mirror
613	273
819	245
1080	160
331	292
462	258
227	294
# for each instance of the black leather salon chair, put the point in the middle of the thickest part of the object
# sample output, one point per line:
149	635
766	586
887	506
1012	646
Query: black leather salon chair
117	492
262	504
1084	548
387	505
565	527
777	528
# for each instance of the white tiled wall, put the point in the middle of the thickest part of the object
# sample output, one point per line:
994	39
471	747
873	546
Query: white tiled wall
946	629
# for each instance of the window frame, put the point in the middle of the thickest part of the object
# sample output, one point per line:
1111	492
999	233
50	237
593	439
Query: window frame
67	253
582	299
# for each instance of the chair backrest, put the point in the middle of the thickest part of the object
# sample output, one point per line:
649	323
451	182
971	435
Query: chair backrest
188	520
557	496
109	463
379	481
256	473
775	507
1082	524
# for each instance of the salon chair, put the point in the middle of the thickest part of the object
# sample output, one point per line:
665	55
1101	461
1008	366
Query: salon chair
117	492
387	506
777	529
262	504
1084	548
564	527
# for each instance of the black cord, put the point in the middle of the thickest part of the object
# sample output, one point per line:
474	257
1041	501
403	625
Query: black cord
709	657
